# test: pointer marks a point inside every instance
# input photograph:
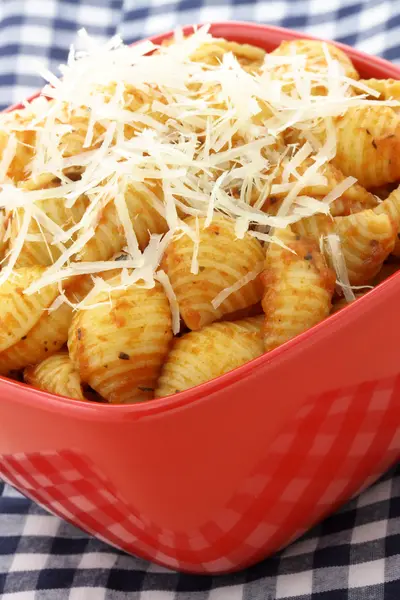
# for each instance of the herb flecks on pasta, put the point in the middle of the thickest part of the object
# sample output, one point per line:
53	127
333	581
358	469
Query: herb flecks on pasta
201	295
119	347
299	286
202	355
160	191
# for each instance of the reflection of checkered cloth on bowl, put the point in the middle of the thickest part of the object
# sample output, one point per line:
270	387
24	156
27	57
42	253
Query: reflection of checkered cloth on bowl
353	555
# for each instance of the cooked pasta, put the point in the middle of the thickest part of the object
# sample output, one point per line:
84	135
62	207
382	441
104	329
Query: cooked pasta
353	198
391	207
366	240
19	142
119	346
57	375
29	333
141	202
171	212
38	251
195	292
247	55
368	144
20	312
298	288
202	355
316	55
388	89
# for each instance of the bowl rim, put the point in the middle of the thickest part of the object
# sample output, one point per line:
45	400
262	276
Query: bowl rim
105	411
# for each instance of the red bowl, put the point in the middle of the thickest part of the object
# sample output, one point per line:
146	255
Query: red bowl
220	476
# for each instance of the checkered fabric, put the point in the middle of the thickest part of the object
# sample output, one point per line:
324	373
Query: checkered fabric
34	32
353	555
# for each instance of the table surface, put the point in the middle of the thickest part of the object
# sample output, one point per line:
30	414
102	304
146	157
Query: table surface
353	555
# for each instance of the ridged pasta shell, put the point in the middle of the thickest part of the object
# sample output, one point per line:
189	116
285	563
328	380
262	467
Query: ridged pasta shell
366	239
248	56
20	312
223	260
28	332
56	375
26	139
119	349
354	199
39	252
200	356
391	207
298	288
389	89
141	201
368	144
315	58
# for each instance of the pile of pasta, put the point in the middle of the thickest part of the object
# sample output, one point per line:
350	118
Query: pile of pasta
169	213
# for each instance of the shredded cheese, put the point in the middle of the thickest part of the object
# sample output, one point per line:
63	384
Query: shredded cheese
339	264
224	294
210	136
163	278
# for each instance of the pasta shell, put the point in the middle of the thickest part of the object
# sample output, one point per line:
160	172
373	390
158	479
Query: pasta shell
202	355
20	312
25	138
354	199
248	56
41	252
144	203
28	332
315	58
368	144
119	349
57	376
298	288
223	261
73	142
366	239
391	207
389	89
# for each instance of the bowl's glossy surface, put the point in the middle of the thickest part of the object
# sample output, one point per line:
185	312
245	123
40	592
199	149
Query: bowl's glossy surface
216	478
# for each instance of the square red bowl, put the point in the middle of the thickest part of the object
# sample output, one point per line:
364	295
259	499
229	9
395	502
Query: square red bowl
218	477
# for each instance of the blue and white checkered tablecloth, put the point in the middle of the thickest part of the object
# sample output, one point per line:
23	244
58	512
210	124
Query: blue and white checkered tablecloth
353	555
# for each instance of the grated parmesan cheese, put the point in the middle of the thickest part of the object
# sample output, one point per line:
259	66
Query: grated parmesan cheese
209	136
163	278
333	242
224	294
